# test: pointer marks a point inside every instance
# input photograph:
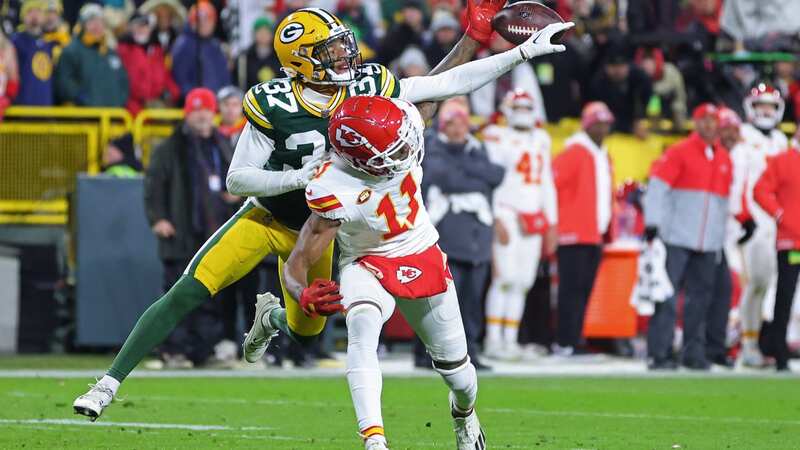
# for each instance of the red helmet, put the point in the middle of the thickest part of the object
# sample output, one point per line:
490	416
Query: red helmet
764	94
377	135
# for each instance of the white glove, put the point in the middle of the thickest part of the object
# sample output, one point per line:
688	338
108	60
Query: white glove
303	175
539	43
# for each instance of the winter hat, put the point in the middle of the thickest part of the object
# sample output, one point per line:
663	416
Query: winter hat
198	99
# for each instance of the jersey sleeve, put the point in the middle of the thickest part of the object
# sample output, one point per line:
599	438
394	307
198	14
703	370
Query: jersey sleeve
324	203
386	83
255	113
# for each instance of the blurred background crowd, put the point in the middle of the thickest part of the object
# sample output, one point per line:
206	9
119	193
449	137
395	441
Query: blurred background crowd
636	67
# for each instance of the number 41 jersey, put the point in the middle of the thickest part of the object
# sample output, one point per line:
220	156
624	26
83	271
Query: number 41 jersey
299	128
380	216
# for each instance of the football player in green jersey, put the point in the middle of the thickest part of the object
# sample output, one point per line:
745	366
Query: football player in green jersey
278	152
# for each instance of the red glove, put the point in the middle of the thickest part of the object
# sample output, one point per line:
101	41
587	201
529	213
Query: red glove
479	19
321	299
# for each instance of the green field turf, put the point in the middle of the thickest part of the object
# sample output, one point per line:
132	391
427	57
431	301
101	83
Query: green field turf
315	413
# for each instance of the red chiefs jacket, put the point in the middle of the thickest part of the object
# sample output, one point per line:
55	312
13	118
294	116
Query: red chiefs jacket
148	75
584	213
687	196
778	192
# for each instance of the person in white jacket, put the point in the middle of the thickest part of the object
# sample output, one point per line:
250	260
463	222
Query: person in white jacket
526	212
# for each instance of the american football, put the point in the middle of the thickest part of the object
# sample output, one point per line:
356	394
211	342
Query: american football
518	21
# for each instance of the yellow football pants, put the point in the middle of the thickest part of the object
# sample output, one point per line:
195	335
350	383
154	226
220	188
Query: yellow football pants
240	244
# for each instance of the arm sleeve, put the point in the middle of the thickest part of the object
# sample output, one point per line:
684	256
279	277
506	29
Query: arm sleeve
459	80
766	187
563	168
322	202
550	199
662	176
247	176
67	89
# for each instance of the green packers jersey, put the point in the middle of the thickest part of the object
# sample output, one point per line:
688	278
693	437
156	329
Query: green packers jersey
298	128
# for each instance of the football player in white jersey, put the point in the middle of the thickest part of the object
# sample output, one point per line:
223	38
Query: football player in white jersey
368	197
760	139
526	211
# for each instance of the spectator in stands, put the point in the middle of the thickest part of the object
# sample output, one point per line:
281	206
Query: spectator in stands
669	100
185	201
151	83
754	24
119	158
354	15
652	21
404	33
232	118
55	29
446	30
258	63
35	56
485	101
584	184
777	192
197	56
625	88
89	72
785	77
411	63
9	73
686	205
460	180
170	17
561	78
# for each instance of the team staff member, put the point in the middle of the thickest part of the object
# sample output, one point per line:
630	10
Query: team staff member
583	179
778	193
686	204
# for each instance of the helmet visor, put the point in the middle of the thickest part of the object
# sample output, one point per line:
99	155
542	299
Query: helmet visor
337	56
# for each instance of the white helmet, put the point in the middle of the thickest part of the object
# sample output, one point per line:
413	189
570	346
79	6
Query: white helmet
764	94
518	106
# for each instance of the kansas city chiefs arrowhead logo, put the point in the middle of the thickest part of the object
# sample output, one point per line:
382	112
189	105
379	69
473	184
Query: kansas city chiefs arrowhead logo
407	274
348	137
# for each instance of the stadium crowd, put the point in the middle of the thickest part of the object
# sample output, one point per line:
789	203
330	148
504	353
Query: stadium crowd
628	65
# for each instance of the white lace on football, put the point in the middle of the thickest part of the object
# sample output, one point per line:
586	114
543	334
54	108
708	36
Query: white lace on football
523	30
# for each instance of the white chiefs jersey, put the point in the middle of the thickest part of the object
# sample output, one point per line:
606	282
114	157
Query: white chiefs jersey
751	154
379	216
528	183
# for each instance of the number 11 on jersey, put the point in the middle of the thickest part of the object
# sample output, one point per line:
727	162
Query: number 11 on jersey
398	225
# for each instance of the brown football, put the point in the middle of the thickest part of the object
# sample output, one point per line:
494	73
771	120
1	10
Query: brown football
516	22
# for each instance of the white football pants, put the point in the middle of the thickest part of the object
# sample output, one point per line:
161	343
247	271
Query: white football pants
515	266
437	322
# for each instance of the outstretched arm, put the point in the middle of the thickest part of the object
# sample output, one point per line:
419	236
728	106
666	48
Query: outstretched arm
466	78
479	31
322	297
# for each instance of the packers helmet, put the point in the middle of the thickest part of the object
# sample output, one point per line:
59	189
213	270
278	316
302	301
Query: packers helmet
315	46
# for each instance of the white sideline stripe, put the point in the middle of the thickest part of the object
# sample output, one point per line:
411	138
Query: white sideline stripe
171	426
725	419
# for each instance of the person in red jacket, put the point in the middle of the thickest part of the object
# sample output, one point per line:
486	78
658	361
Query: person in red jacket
151	83
778	193
583	179
687	206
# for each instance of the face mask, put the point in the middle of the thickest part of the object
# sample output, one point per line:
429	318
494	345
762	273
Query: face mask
519	119
141	38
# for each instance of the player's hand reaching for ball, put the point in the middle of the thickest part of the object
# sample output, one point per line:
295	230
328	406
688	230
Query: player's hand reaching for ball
321	298
540	42
479	18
